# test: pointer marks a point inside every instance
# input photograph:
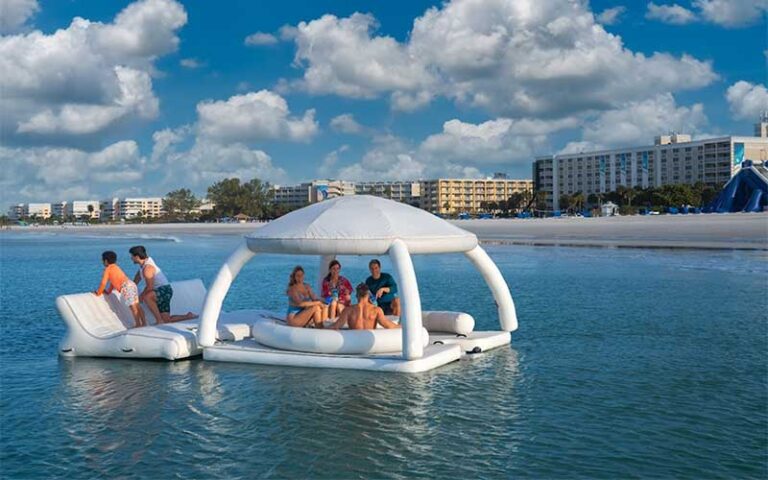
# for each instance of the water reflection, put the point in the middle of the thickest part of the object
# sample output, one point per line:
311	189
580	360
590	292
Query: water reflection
320	423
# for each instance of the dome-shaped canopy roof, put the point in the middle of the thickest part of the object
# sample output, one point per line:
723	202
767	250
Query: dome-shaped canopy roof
359	225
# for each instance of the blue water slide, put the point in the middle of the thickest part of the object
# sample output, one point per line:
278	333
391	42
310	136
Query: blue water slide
747	191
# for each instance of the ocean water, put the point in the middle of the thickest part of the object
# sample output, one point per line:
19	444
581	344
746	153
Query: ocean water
628	363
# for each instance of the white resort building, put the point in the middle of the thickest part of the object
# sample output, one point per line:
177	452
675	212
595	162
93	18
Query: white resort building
303	194
402	191
672	159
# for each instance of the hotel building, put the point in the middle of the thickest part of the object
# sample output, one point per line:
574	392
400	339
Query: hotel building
402	191
40	211
672	159
79	209
454	195
149	207
59	209
297	196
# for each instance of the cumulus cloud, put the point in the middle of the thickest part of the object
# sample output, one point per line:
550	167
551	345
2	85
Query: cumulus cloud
461	149
732	13
389	158
164	141
548	57
135	97
746	100
725	13
327	167
15	13
252	117
260	39
84	78
502	140
208	162
637	123
341	56
673	14
611	16
346	123
51	173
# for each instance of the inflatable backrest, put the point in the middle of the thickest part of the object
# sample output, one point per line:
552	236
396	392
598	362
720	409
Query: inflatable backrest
100	317
106	315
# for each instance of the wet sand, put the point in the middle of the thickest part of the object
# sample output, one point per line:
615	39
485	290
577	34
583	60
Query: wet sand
734	231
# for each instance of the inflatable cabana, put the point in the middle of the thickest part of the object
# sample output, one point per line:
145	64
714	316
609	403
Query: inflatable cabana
359	225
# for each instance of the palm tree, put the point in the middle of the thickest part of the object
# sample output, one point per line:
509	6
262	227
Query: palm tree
577	201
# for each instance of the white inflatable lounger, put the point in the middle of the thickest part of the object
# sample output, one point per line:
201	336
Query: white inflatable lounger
342	342
101	326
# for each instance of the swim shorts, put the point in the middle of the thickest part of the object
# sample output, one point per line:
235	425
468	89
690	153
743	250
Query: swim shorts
129	294
164	295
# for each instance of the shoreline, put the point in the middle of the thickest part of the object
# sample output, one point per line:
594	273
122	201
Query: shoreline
740	231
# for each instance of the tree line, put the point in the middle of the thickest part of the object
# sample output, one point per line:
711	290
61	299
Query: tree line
630	199
230	197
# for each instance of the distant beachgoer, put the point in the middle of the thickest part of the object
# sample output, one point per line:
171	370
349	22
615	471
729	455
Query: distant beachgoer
157	291
364	315
336	290
118	280
384	289
304	308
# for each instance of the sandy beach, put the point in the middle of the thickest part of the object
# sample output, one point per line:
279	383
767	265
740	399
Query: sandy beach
734	231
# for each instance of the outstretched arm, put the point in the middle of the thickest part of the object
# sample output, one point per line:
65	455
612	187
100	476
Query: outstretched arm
104	280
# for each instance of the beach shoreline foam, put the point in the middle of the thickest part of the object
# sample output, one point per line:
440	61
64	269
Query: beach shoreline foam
748	231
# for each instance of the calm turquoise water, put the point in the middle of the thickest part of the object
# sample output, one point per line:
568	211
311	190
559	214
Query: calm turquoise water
628	363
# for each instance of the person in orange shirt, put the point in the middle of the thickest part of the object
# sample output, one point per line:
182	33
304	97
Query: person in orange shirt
117	279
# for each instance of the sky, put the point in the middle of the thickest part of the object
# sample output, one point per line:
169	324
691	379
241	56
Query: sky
109	98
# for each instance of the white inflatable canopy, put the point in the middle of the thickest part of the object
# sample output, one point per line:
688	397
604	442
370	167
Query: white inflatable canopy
359	225
363	225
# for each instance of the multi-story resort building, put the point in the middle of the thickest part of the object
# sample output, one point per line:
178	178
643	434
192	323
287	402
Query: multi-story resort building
402	191
40	211
149	207
456	195
82	209
129	208
59	209
16	211
297	196
672	159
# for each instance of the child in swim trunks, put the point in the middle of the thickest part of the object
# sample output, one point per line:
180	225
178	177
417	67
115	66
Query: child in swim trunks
117	279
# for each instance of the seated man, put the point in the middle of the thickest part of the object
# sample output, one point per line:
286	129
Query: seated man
364	315
384	288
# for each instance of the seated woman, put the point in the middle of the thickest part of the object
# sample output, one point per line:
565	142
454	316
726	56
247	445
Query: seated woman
304	308
364	315
337	290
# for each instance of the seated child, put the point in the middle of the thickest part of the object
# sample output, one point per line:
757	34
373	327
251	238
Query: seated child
129	293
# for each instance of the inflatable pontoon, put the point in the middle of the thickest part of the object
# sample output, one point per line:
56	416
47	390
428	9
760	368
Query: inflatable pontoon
354	225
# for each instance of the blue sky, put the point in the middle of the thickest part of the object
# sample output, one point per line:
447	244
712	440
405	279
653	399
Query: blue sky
139	98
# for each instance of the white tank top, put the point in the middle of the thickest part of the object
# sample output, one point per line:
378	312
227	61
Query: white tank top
160	278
